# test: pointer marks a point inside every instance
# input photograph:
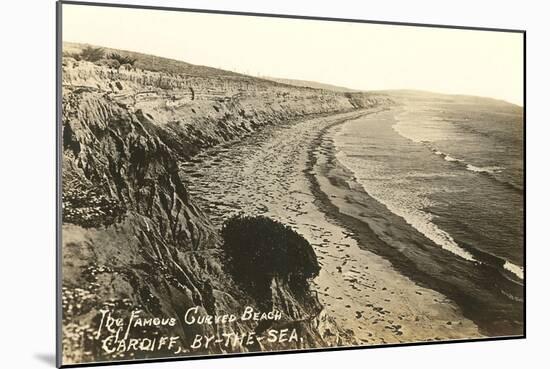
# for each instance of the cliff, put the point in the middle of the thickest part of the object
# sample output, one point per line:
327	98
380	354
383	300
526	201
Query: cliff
132	238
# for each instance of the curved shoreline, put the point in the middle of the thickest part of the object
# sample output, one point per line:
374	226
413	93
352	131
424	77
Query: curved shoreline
378	230
268	174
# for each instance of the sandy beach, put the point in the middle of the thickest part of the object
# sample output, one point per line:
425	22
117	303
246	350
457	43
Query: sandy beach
280	172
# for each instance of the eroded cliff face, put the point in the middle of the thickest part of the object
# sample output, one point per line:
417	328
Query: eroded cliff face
197	112
132	238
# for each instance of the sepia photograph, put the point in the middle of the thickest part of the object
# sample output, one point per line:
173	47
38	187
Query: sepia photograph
235	183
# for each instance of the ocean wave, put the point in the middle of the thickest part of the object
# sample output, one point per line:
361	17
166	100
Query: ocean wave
472	168
515	269
445	156
408	196
430	133
491	169
450	158
410	209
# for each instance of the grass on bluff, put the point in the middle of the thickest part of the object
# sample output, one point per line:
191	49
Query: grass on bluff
147	62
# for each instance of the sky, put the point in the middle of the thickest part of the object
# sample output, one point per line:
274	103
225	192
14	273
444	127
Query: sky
354	55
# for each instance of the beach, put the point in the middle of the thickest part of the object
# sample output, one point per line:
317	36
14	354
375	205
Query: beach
289	173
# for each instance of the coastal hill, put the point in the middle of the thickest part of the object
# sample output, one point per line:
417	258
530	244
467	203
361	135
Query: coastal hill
132	236
310	84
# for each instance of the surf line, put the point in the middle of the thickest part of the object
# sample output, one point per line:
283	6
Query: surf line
424	224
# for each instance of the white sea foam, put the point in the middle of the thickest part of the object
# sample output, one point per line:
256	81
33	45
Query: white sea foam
450	158
492	169
405	197
445	156
470	167
517	270
403	203
407	207
406	126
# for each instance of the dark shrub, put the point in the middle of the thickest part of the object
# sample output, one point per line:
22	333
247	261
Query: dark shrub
122	59
127	67
75	56
260	249
110	63
92	54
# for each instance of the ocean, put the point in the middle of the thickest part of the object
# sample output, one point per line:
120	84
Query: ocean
452	169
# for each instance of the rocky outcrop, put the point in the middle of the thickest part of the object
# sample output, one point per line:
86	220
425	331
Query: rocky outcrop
132	238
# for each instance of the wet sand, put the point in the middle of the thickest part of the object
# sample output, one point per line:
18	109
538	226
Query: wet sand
280	172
